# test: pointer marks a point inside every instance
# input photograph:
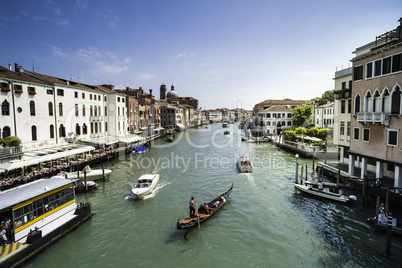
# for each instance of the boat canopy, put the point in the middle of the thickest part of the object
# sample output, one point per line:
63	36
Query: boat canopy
30	190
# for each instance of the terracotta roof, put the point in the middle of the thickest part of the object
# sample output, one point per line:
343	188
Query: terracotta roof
328	105
20	76
278	108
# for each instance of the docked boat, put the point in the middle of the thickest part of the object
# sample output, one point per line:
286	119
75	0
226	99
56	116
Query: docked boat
324	193
227	132
244	164
40	212
141	150
91	174
170	139
225	124
199	216
79	186
145	185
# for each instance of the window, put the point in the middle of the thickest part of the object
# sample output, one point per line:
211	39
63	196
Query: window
50	106
49	91
17	88
358	73
60	92
84	129
343	104
377	68
90	96
386	65
76	110
118	99
342	130
349	106
32	108
77	129
105	111
62	131
60	109
83	110
105	126
396	63
6	132
92	127
5	108
83	95
98	97
366	134
99	110
396	101
392	137
369	70
90	111
356	133
75	94
348	132
51	129
33	132
95	111
343	85
357	104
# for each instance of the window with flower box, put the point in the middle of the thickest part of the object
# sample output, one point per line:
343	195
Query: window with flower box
17	88
31	90
4	87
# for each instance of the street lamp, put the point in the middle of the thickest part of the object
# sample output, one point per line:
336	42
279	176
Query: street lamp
297	168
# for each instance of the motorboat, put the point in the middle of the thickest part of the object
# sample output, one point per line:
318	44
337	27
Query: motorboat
225	124
145	185
79	186
244	164
325	193
91	174
226	132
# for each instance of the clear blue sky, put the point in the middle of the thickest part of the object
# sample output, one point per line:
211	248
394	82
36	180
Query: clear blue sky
221	52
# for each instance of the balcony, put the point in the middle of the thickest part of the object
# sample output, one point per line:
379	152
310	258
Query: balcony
372	118
342	94
95	118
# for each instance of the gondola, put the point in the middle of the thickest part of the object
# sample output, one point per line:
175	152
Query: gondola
214	206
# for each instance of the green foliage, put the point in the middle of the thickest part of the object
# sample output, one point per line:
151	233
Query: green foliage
322	133
10	141
300	130
327	96
312	132
301	114
290	135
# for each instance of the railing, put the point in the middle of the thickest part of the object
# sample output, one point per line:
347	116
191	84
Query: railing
381	118
10	151
96	118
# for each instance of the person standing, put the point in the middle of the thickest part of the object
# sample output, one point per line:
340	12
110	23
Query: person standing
191	206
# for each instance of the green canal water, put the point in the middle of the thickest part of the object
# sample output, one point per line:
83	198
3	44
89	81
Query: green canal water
265	222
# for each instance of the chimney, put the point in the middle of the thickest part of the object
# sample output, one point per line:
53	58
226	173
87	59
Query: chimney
15	67
9	67
150	91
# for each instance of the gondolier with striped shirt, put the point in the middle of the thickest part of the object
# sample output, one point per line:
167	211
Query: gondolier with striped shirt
191	206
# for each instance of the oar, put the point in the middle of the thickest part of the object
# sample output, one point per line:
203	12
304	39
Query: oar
198	217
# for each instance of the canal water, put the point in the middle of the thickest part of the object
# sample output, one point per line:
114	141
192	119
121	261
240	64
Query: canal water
265	222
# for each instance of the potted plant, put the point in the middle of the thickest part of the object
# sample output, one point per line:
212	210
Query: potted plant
18	89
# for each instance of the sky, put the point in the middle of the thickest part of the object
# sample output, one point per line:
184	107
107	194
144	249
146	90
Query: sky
225	53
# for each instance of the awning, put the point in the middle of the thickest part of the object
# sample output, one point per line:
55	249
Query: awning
103	140
130	138
30	161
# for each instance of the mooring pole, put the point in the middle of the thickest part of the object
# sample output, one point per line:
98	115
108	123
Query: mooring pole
103	172
389	234
338	178
85	180
297	172
377	213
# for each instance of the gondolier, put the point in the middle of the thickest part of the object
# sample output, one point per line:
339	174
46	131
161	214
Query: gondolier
191	206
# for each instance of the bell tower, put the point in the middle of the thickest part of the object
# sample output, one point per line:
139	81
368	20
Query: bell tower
163	92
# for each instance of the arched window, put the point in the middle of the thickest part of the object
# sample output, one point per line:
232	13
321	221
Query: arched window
105	111
83	110
100	127
357	104
386	104
76	110
368	103
51	131
77	129
32	107
105	126
92	128
84	129
61	109
95	111
96	127
118	111
396	101
6	132
50	105
33	132
99	111
5	108
377	102
62	131
90	111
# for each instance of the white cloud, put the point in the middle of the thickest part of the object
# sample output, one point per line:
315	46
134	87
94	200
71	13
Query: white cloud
145	77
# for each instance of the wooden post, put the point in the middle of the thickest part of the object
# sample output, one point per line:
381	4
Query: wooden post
338	177
377	212
103	172
364	190
318	173
389	234
306	173
85	180
387	200
297	172
301	175
313	158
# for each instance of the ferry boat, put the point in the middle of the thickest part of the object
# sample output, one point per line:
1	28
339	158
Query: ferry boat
145	185
244	164
40	212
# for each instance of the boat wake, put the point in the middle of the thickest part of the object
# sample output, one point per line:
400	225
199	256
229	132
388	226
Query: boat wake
131	196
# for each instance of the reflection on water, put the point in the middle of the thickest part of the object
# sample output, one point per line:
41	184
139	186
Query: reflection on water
265	222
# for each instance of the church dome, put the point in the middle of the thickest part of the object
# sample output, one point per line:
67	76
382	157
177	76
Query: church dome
172	93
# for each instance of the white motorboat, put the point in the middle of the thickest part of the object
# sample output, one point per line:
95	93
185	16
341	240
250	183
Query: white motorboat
91	174
324	193
145	185
244	164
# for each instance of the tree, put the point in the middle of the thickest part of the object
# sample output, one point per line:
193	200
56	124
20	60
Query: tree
327	96
10	141
301	114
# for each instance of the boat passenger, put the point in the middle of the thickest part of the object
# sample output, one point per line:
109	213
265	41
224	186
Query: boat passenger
3	238
191	206
320	186
206	208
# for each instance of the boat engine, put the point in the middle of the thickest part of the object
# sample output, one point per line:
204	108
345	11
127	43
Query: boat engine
352	197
